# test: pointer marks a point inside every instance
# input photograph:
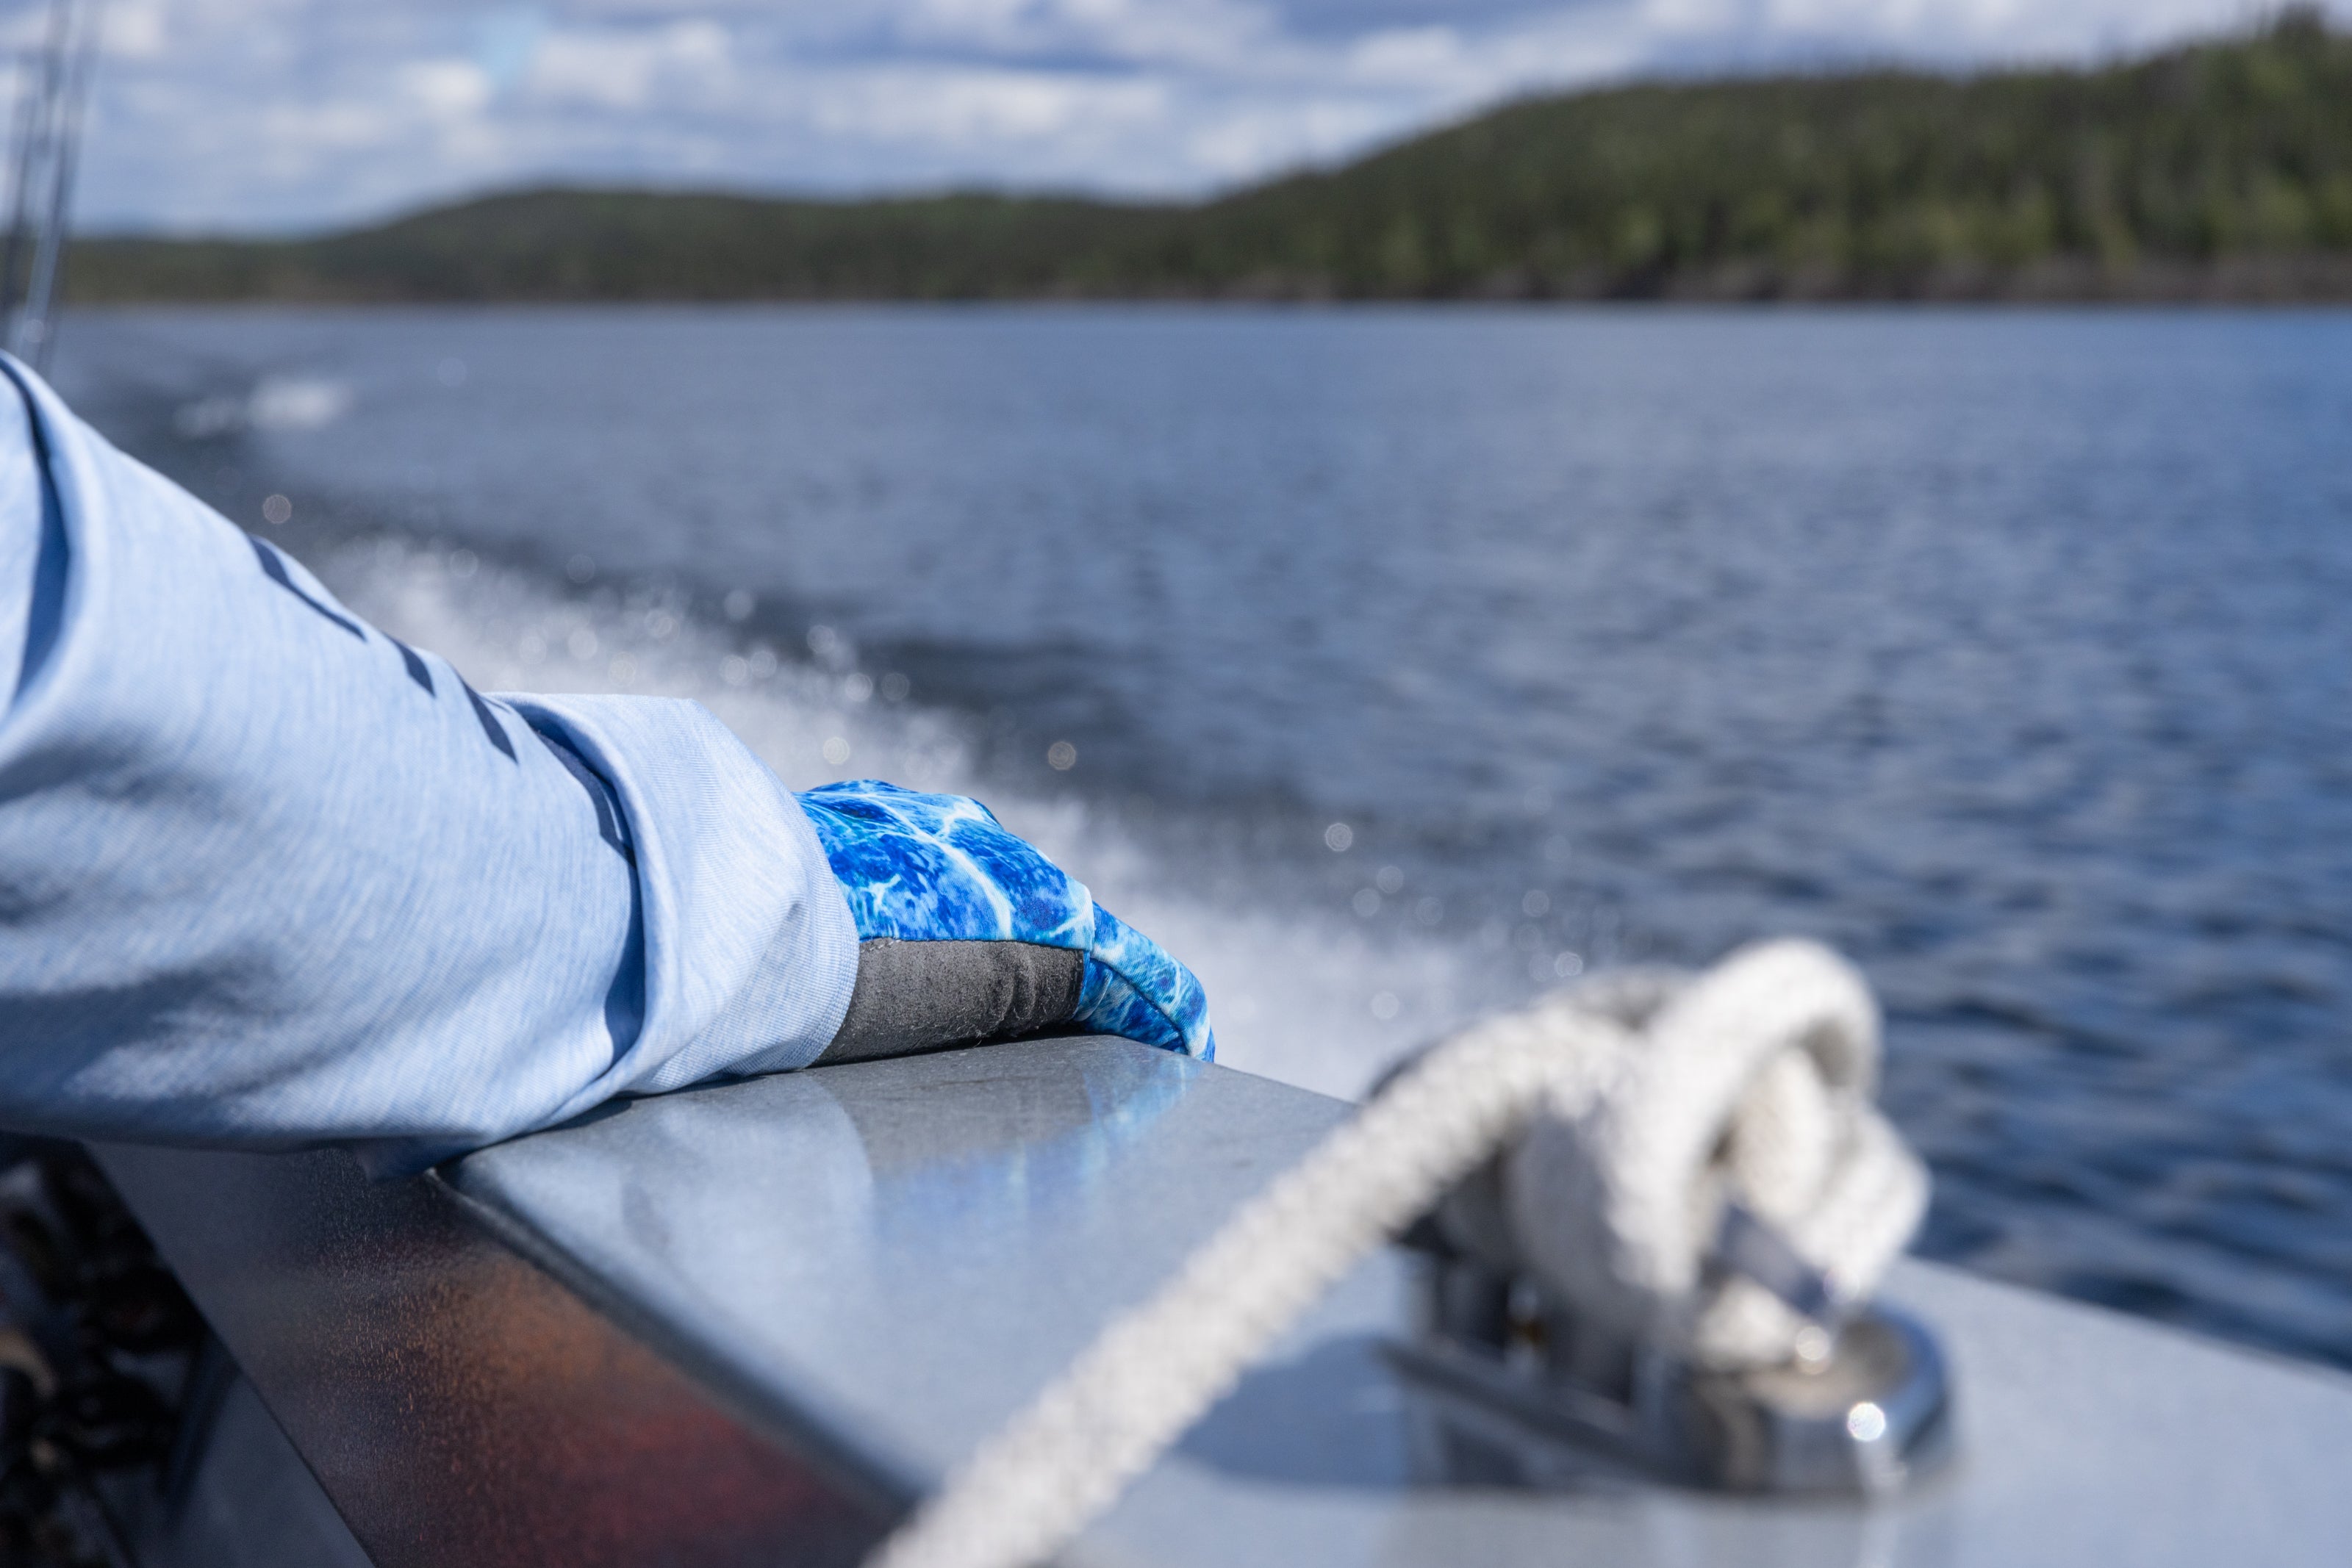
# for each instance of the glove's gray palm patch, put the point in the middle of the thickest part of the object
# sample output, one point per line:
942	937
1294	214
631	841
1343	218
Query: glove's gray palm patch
927	996
933	870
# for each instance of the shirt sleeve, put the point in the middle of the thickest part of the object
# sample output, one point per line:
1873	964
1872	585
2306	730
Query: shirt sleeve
270	877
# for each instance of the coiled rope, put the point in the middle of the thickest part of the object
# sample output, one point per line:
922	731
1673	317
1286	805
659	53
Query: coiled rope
1625	1120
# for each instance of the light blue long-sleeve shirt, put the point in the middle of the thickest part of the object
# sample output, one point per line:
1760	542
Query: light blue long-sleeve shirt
270	877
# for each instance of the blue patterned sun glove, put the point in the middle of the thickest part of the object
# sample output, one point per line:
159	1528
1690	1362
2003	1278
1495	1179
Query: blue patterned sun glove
967	933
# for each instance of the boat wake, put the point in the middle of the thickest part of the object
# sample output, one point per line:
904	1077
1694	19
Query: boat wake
1296	995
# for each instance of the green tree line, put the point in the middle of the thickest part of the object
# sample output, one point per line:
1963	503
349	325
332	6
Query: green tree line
2221	169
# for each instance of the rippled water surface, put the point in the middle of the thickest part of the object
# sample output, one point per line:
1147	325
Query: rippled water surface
2009	651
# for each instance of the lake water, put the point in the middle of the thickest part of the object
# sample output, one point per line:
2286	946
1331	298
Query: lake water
2009	651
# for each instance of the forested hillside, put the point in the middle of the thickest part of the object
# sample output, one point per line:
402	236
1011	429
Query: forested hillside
2221	171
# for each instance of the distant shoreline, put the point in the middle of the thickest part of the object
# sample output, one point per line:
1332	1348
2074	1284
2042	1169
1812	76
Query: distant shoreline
2089	304
2214	174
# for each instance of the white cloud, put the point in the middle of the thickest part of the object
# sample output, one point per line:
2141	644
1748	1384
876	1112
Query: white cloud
609	68
446	89
987	107
245	113
134	30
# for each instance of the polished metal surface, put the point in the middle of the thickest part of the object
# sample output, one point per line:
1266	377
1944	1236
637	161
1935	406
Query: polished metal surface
897	1253
875	1264
1517	1375
903	1251
1869	1419
459	1408
1873	1419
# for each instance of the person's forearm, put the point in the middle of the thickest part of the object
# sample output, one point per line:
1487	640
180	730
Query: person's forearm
270	877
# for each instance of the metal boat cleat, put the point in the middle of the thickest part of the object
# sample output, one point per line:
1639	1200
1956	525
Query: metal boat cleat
1516	1392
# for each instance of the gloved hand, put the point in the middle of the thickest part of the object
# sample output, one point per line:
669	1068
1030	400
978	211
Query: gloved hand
967	934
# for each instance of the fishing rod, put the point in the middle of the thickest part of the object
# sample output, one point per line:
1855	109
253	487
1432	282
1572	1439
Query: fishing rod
52	98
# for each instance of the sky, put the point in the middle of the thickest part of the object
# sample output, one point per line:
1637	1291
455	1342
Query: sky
276	116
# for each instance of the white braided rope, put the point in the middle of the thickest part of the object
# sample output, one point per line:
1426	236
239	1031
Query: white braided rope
1753	1081
1064	1459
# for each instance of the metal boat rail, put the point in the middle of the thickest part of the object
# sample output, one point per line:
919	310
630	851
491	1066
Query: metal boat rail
755	1322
